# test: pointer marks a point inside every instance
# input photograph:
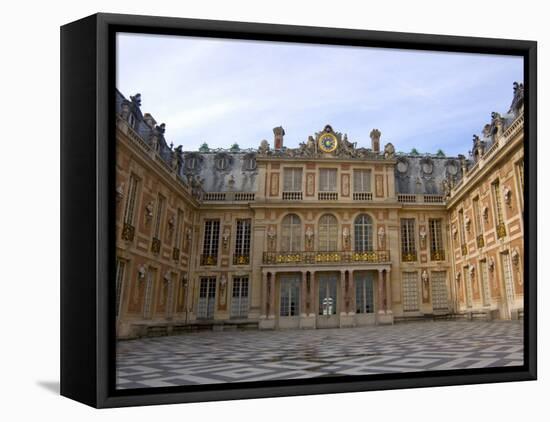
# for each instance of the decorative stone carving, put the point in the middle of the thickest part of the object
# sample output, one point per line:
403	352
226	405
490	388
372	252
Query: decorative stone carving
272	237
188	235
423	236
467	223
264	147
389	151
491	264
225	237
517	102
171	223
485	213
231	182
142	271
402	165
381	238
507	194
425	284
309	236
223	285
149	210
454	230
120	192
457	277
167	277
471	270
346	236
515	257
136	99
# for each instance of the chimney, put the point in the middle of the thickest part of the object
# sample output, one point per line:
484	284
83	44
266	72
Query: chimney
278	133
375	140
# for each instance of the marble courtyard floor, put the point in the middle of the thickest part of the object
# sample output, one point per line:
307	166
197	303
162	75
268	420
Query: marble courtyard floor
236	356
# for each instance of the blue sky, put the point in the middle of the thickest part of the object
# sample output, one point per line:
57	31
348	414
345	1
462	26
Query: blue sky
227	91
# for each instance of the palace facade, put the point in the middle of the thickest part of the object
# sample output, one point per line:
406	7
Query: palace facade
328	234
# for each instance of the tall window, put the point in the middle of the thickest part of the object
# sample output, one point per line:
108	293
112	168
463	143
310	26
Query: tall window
477	216
149	289
290	296
361	181
211	242
158	217
437	252
207	297
119	277
177	234
327	180
363	233
129	211
439	290
462	228
410	291
501	229
239	297
408	243
328	233
291	235
292	180
364	295
242	241
508	278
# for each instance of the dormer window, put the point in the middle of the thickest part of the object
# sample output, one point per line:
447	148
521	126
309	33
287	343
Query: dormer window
250	162
222	162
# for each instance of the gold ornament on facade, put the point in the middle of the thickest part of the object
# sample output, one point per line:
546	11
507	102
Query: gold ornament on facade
437	255
128	232
480	241
328	142
464	249
409	257
155	245
501	230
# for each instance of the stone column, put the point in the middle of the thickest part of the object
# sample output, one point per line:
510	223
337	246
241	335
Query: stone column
351	292
343	294
263	305
303	295
381	305
388	293
271	295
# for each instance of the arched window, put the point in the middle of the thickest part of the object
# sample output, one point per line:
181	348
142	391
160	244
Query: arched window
328	233
291	235
363	233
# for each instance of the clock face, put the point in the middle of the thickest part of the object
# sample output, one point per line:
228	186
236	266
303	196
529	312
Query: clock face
328	142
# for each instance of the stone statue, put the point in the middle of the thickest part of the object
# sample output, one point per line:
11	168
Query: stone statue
389	151
381	238
264	147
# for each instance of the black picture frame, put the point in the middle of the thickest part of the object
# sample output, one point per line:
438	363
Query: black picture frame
88	195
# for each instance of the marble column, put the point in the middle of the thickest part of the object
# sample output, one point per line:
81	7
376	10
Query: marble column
388	292
271	295
303	295
343	293
381	299
263	306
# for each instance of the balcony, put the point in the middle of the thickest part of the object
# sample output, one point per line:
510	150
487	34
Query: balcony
480	241
128	232
327	196
207	259
241	259
501	230
322	257
362	196
155	246
176	254
292	196
409	256
228	196
408	198
437	255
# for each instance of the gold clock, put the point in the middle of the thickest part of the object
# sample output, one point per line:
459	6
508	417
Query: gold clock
328	142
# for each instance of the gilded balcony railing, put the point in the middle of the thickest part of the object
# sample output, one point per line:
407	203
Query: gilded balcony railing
501	230
155	246
176	254
323	257
408	256
128	232
480	241
437	255
207	259
241	259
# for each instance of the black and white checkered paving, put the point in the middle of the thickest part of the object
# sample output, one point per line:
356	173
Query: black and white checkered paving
220	357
